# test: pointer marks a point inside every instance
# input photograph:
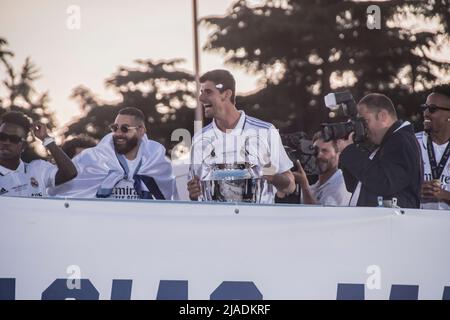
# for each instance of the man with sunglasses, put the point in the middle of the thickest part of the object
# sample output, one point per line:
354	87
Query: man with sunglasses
434	142
391	175
18	178
125	165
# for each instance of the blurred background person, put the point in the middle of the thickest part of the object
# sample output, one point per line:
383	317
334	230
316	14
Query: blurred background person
74	146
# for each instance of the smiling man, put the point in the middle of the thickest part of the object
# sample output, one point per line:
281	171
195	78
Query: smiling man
18	178
330	188
394	169
434	142
230	129
124	165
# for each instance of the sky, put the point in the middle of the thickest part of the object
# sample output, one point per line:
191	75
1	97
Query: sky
112	33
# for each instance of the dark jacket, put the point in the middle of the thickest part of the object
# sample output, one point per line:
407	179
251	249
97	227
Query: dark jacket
395	170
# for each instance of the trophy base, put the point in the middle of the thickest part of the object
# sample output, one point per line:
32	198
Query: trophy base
239	190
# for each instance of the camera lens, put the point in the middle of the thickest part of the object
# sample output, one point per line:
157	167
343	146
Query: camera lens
327	132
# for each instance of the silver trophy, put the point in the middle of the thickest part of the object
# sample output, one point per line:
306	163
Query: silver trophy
230	176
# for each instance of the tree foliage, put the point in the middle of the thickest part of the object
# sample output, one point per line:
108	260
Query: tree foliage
163	92
322	46
21	94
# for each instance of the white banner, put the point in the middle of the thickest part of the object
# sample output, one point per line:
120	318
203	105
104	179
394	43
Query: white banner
103	249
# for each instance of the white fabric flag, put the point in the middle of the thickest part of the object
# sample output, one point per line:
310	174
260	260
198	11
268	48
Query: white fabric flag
99	169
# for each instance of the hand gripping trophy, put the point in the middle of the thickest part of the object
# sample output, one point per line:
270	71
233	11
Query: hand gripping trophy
231	170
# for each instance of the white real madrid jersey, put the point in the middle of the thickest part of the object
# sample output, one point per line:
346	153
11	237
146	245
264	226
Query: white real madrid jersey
252	140
422	137
28	180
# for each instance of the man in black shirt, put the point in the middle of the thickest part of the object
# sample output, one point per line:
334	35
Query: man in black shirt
394	169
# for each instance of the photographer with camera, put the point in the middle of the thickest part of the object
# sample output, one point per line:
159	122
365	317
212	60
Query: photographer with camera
330	188
394	170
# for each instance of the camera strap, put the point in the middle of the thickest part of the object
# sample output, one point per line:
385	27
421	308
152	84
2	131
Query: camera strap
437	169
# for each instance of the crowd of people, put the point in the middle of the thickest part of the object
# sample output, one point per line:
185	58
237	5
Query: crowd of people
406	169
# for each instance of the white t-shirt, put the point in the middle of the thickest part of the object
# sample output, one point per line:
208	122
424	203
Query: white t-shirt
333	192
124	189
28	180
422	137
252	140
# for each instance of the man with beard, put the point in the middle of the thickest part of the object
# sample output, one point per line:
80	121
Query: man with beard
434	142
77	144
18	178
330	189
124	165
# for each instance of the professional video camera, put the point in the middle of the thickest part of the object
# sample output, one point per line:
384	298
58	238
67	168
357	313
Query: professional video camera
343	104
298	146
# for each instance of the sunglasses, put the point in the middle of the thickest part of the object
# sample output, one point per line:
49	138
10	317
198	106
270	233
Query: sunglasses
124	128
11	138
432	108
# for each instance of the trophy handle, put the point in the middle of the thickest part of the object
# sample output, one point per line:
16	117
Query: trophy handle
203	163
258	155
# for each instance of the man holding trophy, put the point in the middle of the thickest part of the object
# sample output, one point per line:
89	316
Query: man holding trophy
236	158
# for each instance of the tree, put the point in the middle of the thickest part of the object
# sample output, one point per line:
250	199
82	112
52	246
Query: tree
304	49
164	93
22	96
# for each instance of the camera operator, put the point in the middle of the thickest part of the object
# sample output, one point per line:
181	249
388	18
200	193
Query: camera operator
330	188
394	169
302	153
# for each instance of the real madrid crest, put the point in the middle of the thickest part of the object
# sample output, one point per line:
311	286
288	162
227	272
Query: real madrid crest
34	183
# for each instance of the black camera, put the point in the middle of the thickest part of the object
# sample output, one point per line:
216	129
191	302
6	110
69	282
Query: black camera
298	146
342	104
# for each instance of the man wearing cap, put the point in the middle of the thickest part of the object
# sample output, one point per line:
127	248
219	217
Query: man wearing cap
125	165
